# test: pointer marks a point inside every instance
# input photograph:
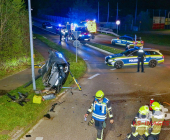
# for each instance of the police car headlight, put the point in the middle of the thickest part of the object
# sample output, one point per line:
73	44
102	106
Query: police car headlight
66	31
89	34
110	60
80	35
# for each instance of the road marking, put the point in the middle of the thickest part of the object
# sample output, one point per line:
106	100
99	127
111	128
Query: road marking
94	76
112	69
39	138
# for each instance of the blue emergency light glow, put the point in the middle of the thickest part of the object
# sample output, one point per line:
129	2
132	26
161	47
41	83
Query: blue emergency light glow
75	25
94	20
59	24
85	24
59	55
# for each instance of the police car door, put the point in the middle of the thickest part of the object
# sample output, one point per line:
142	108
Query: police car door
132	58
124	41
118	41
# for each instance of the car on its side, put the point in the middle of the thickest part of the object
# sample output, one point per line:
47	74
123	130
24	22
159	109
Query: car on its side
129	57
128	40
47	25
84	35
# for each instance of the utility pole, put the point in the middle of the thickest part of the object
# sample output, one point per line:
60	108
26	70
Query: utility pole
108	13
153	12
136	11
117	12
31	45
98	12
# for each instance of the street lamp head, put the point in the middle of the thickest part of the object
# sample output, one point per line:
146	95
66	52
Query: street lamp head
117	22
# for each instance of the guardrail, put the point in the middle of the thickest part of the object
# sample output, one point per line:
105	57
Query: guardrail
107	32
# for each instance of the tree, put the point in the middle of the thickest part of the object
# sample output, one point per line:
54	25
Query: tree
81	11
144	21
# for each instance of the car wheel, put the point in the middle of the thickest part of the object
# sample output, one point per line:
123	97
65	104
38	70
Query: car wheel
152	63
113	42
118	65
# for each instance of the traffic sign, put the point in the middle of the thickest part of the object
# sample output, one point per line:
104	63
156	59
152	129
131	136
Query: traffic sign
76	43
76	34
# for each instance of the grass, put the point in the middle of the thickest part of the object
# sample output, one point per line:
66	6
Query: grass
157	39
16	65
13	116
106	48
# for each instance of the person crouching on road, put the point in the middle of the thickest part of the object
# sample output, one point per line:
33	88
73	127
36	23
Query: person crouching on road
141	55
157	120
100	107
140	125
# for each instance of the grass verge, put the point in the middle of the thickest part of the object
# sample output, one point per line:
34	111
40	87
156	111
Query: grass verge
19	65
106	48
13	117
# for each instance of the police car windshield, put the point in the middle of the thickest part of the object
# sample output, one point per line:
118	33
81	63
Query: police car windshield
126	52
82	29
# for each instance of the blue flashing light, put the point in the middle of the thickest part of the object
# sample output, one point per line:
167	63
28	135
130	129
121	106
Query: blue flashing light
75	25
85	24
59	25
94	20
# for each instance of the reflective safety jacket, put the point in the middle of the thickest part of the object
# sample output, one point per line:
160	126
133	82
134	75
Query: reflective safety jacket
100	109
157	121
142	125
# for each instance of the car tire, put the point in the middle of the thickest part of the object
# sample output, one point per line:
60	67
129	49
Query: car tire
152	63
118	64
113	42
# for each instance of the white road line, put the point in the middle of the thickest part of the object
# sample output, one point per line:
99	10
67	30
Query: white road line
94	76
112	69
39	138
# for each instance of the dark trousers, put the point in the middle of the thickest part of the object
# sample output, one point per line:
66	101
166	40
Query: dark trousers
140	60
99	127
153	137
138	137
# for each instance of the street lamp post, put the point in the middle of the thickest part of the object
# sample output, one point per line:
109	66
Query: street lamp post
31	45
117	23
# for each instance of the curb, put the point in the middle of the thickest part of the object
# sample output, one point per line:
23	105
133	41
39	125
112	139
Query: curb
98	49
19	134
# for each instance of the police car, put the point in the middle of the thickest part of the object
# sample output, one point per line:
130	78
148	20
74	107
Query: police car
127	40
129	57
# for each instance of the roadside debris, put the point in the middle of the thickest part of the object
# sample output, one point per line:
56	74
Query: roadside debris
53	106
21	100
28	135
119	135
47	116
48	97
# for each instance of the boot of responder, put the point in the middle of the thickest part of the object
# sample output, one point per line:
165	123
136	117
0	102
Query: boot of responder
91	122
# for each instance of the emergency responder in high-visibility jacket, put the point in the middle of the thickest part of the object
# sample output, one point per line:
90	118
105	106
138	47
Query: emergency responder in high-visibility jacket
141	55
140	125
100	108
157	120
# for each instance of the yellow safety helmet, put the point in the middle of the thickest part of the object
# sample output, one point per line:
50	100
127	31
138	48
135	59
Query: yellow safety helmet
144	110
156	106
99	94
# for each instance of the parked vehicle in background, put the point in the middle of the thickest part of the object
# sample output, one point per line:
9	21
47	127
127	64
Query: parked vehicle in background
85	35
47	25
128	40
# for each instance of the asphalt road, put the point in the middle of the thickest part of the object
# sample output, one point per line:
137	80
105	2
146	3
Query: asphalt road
126	89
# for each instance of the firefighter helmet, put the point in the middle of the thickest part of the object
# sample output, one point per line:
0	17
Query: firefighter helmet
156	106
99	94
144	110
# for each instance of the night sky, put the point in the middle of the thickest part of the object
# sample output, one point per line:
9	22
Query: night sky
126	7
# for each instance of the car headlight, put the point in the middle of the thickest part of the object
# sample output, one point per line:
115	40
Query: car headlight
80	35
89	34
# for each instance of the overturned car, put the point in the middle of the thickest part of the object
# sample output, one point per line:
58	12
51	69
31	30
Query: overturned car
55	71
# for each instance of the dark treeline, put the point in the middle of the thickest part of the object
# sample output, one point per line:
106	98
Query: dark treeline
14	34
